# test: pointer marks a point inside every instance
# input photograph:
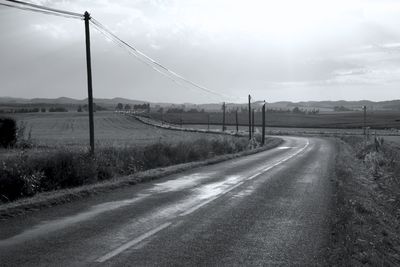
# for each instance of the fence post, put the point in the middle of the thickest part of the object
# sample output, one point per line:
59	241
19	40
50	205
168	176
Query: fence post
223	116
253	122
208	122
237	121
89	82
263	125
365	121
249	118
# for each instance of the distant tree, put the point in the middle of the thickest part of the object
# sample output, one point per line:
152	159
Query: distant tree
297	110
313	112
127	107
43	109
58	109
243	110
160	110
340	108
120	106
98	107
175	110
79	108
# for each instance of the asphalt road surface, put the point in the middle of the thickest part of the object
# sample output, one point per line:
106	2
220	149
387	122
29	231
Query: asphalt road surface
271	208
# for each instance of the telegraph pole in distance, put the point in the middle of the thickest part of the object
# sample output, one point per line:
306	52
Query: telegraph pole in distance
365	120
89	82
208	122
223	116
249	118
253	122
237	120
263	125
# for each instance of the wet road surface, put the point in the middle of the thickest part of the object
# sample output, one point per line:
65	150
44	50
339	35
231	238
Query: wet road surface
271	208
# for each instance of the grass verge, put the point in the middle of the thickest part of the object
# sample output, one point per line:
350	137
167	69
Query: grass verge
45	199
366	229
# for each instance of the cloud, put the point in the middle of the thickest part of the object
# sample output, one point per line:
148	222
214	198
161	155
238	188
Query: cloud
229	46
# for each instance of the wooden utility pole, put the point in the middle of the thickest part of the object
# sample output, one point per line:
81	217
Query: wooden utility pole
253	122
263	125
223	116
365	120
89	82
208	122
237	121
249	118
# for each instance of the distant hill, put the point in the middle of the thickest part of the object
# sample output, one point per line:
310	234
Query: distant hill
111	103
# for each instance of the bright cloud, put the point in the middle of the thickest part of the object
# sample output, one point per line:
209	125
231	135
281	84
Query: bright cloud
280	50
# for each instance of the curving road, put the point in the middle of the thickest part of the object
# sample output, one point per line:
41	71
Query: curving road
271	208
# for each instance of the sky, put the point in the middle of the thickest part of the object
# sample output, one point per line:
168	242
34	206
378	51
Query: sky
283	50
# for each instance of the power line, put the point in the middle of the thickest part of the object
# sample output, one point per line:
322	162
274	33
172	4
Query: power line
121	45
137	52
40	11
137	56
156	66
69	13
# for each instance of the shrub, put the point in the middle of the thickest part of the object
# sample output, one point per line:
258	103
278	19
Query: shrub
18	179
23	140
8	132
26	174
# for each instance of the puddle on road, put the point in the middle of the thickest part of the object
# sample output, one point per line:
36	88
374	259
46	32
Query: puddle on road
246	192
286	147
215	189
200	193
181	183
54	225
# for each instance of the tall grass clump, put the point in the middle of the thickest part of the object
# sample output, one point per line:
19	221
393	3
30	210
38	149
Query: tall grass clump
27	173
378	156
8	132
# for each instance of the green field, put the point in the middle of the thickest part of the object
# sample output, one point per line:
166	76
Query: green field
111	129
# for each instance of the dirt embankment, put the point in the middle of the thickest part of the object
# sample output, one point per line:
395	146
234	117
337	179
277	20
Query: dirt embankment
366	228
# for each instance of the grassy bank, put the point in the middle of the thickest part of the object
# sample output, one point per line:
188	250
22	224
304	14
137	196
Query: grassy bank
366	229
27	174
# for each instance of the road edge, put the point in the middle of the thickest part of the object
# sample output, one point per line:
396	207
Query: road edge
54	198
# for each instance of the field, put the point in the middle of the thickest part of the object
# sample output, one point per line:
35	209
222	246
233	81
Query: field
59	157
111	129
341	120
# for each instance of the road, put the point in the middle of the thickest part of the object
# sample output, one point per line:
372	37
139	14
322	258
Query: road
270	208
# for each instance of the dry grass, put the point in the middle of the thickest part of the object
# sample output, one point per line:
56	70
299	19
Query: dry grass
367	218
26	174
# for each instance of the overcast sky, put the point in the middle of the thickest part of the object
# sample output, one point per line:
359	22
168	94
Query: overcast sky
276	50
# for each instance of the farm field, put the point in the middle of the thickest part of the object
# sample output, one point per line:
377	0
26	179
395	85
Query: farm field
111	129
340	120
270	130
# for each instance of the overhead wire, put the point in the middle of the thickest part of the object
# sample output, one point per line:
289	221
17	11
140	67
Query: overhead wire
69	13
97	23
41	11
153	64
121	45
